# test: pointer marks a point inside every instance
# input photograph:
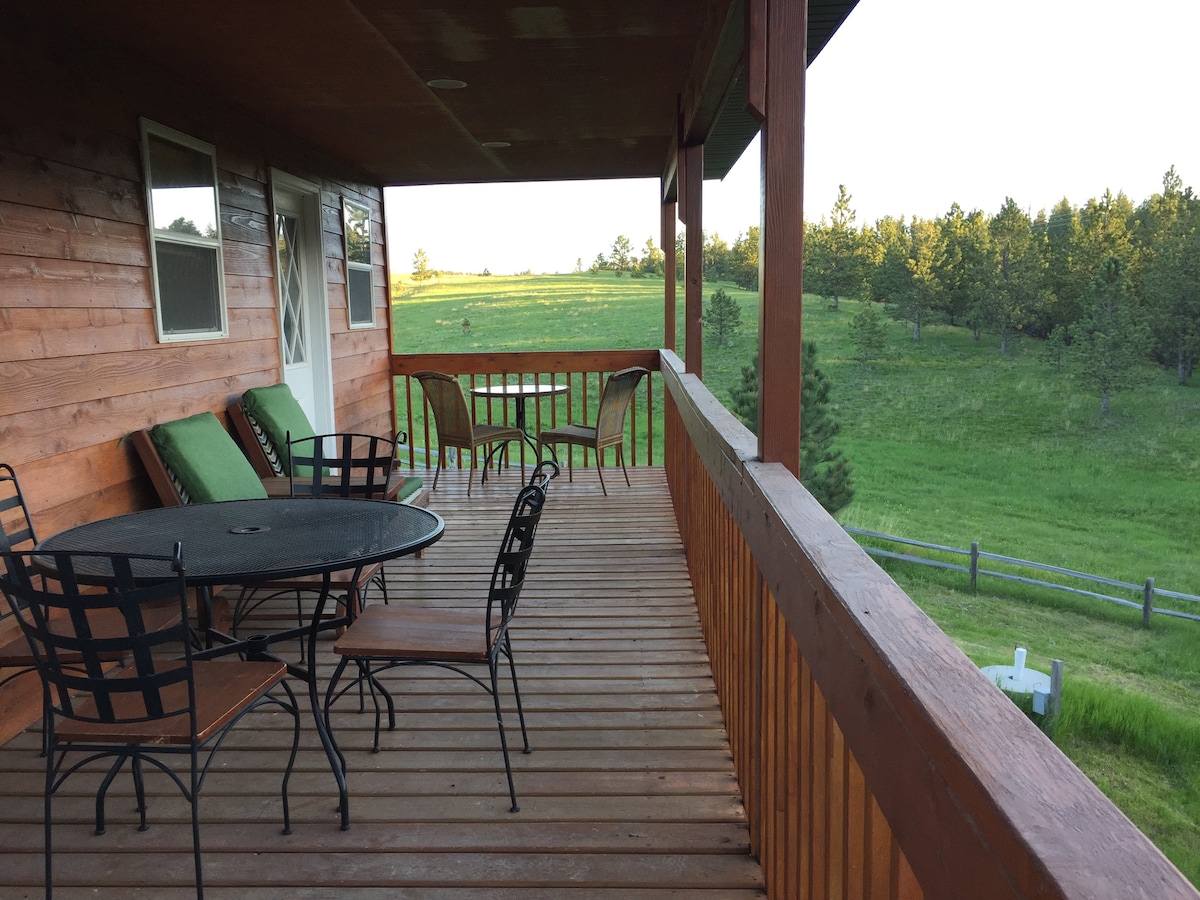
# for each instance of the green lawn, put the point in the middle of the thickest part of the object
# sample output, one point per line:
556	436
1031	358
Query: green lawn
953	442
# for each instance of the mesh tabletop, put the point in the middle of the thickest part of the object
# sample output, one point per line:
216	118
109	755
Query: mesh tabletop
250	540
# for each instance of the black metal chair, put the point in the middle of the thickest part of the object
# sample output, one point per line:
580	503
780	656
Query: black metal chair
346	465
357	467
162	703
17	533
382	638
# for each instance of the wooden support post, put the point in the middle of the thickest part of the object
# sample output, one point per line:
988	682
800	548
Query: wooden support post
1147	601
1056	684
782	44
691	172
667	237
974	564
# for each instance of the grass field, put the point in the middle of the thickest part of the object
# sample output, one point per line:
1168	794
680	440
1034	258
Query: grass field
953	442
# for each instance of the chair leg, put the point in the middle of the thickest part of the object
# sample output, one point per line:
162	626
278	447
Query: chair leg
621	457
512	790
437	467
600	471
194	797
46	820
512	668
102	792
139	791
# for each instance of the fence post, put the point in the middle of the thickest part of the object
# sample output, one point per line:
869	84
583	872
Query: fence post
1056	681
1147	602
974	564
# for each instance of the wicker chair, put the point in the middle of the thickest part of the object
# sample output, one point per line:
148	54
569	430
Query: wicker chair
452	418
610	423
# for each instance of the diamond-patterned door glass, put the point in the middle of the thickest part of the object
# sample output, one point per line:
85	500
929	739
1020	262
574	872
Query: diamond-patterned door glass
295	339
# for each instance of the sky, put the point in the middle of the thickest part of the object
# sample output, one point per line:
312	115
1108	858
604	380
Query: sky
913	105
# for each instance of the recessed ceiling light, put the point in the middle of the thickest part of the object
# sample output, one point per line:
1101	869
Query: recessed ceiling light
496	145
446	84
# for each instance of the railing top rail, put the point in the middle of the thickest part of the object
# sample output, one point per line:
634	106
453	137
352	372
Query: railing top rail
525	361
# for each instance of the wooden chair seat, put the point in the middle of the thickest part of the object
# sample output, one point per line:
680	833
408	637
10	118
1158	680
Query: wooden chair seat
222	690
417	633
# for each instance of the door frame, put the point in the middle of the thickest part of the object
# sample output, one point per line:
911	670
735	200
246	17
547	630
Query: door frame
316	296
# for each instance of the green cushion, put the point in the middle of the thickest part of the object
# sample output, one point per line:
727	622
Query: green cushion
205	459
409	486
278	414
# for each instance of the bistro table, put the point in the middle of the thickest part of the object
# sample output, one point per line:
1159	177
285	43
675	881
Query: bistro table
521	393
246	541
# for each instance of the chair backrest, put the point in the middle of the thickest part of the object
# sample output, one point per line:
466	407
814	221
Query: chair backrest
341	465
72	661
16	533
269	415
16	527
614	402
449	404
508	575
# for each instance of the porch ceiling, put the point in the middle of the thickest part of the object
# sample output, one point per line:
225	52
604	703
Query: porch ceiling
578	88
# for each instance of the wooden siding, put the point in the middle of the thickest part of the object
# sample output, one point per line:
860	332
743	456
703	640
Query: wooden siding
79	357
629	791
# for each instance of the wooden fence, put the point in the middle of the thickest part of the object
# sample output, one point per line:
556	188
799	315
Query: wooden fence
1146	590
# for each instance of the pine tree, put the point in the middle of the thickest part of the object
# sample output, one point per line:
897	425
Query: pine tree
867	334
421	270
723	318
745	396
1113	339
824	471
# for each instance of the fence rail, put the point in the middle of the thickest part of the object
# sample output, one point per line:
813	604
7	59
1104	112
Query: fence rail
1147	590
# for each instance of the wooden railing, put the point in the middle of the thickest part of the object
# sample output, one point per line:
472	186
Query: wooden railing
584	373
874	758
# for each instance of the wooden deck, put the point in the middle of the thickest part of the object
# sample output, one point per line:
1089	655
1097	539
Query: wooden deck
629	792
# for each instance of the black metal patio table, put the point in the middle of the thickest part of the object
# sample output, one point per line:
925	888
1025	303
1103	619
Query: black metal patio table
520	393
247	541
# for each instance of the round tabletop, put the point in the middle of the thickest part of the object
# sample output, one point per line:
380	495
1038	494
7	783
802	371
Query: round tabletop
1022	681
537	389
254	540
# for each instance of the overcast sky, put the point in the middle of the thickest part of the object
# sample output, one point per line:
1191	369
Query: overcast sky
913	105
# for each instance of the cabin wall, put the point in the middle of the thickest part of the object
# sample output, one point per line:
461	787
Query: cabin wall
81	363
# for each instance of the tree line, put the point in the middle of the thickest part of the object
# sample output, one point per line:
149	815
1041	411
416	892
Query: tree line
737	263
1107	278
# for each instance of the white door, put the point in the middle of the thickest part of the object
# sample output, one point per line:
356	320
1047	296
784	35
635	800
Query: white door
303	307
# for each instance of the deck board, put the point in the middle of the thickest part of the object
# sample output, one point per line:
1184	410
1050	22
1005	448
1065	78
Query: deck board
629	792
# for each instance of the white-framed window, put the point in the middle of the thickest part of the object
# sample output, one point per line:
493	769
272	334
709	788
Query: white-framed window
359	279
185	235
